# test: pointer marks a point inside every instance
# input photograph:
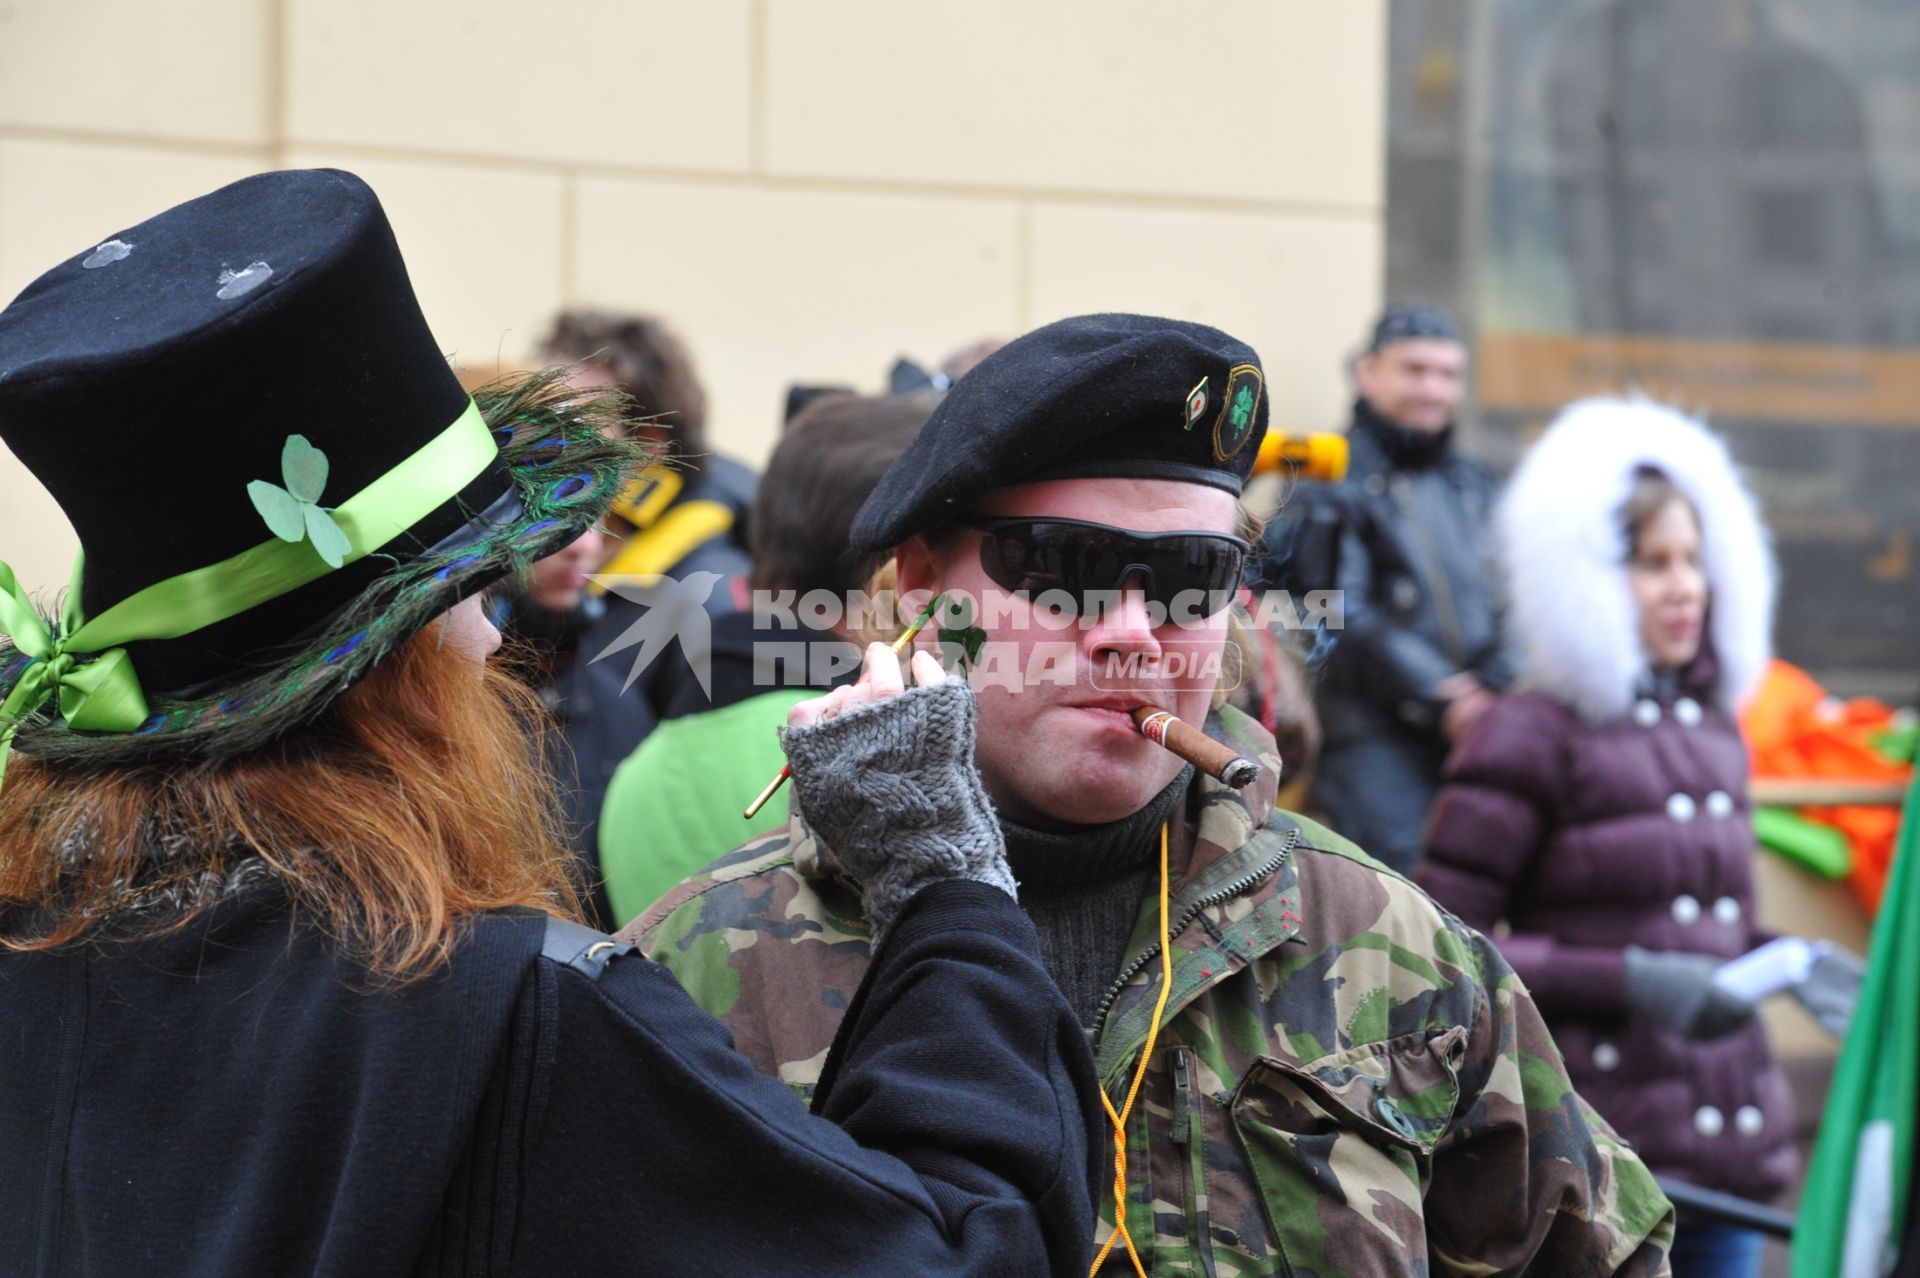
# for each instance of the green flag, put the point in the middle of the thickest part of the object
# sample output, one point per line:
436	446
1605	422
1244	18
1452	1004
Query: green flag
1854	1208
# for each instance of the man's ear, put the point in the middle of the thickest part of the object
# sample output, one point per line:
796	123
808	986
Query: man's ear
915	565
1360	366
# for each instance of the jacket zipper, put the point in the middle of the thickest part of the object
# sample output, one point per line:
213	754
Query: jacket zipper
1213	898
1189	1141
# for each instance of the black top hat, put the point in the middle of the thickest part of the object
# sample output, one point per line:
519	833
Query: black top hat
238	381
1093	396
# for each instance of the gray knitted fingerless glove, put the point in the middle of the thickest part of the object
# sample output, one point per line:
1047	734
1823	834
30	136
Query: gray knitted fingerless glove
891	788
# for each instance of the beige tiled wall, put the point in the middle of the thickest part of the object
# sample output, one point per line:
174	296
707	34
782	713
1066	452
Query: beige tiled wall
807	188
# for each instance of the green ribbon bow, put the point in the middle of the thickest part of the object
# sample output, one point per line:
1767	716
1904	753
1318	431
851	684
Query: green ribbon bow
101	696
104	695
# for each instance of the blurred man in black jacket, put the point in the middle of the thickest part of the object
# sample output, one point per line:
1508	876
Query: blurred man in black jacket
1420	656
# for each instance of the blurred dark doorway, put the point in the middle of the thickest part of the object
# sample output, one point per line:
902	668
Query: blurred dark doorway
1714	201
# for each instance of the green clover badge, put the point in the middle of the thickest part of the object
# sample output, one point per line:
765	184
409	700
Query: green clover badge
1242	404
294	513
1241	414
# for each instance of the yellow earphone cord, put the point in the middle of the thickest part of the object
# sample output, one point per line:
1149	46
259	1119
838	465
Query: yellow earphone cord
1120	1233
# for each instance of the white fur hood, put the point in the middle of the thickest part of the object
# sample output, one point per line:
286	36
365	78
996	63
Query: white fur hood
1571	611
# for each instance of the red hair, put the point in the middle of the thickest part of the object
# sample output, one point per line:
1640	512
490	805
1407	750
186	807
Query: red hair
417	798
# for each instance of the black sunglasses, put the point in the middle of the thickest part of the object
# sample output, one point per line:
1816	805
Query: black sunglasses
1069	560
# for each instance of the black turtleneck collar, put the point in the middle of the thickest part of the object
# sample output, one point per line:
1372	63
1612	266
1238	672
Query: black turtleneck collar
1082	888
1404	447
1091	853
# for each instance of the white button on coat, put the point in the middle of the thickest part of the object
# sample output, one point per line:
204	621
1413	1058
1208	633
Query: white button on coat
1606	1057
1687	711
1681	808
1708	1121
1686	911
1748	1120
1726	911
1646	713
1719	805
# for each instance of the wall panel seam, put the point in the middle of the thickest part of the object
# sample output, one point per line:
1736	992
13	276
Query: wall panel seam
166	144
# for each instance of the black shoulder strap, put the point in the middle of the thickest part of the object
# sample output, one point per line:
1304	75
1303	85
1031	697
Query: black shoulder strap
581	948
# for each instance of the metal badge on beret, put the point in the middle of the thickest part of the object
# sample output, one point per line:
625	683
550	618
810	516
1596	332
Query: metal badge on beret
1197	403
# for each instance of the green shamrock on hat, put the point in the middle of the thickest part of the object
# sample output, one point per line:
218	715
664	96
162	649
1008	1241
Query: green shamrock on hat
294	513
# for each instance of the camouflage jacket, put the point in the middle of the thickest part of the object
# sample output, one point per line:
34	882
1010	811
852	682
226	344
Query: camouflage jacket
1349	1081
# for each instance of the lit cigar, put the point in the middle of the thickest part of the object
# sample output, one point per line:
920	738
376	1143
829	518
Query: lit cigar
1196	747
899	646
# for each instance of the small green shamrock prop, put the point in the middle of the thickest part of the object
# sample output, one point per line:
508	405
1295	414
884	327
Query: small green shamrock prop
294	513
960	639
1241	414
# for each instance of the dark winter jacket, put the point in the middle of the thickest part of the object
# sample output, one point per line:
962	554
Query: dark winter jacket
1416	570
1584	839
238	1099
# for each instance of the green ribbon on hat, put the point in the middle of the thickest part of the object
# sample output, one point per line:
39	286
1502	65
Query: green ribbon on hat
104	694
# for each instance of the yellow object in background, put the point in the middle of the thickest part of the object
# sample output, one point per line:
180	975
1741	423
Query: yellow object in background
1321	456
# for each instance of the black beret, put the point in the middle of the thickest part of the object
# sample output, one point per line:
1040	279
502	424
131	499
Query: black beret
1096	396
